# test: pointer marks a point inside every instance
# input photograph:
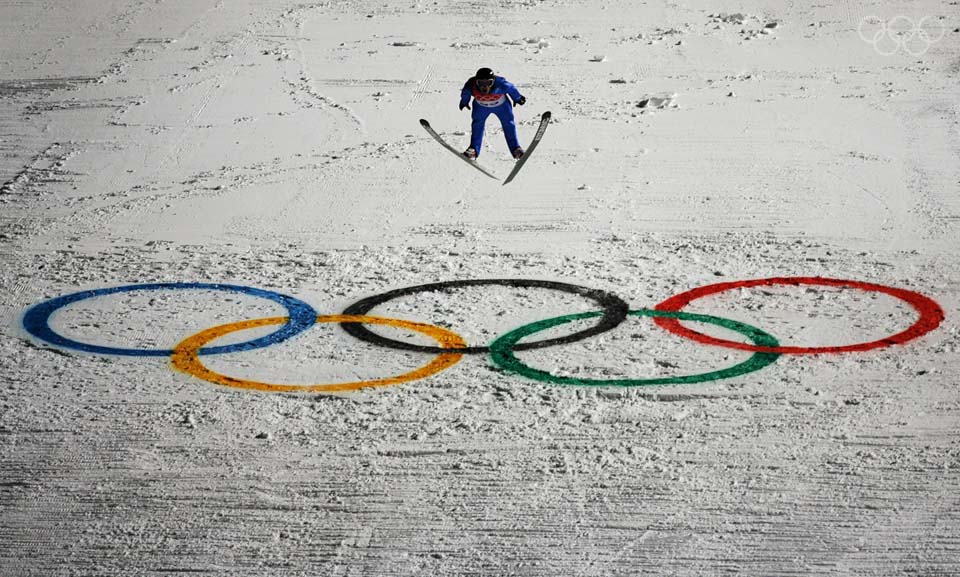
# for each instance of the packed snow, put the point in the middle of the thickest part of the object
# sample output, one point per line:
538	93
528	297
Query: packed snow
274	150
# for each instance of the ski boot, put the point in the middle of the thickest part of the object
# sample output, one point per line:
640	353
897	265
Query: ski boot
518	153
470	153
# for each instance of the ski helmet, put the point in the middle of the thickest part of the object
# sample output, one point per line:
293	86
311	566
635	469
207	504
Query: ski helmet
484	79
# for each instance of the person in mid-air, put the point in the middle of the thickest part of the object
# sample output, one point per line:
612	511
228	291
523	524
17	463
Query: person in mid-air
490	96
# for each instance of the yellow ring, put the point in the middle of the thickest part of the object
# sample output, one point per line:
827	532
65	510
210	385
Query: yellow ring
186	356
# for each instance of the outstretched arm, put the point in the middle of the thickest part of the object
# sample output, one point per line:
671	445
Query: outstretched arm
465	94
512	91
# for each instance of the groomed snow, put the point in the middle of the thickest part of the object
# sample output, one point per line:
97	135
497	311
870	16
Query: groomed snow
276	146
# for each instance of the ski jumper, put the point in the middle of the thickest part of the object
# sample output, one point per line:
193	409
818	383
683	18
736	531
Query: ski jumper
493	102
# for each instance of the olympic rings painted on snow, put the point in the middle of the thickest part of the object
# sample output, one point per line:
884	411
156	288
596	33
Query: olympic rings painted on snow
186	355
668	314
931	315
502	352
901	32
37	318
614	312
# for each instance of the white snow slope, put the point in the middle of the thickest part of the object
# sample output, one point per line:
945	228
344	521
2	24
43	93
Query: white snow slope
276	146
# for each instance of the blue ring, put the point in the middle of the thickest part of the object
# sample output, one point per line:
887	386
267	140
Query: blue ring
37	319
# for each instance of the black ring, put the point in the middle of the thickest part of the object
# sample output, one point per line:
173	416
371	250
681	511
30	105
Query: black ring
614	312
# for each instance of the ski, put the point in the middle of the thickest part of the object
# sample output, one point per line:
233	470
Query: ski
426	126
544	121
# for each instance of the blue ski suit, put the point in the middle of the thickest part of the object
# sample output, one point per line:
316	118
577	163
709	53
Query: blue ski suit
493	102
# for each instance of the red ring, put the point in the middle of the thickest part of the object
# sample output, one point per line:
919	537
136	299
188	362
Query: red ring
931	315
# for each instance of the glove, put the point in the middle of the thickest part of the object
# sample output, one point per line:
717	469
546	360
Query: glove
520	101
464	104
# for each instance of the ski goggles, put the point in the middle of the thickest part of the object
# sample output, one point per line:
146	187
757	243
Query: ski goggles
484	82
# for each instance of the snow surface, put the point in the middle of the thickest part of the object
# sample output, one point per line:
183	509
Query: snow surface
276	145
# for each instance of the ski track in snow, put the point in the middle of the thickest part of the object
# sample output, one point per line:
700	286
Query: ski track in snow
277	147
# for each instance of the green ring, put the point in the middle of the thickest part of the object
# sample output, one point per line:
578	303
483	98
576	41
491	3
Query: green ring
502	351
